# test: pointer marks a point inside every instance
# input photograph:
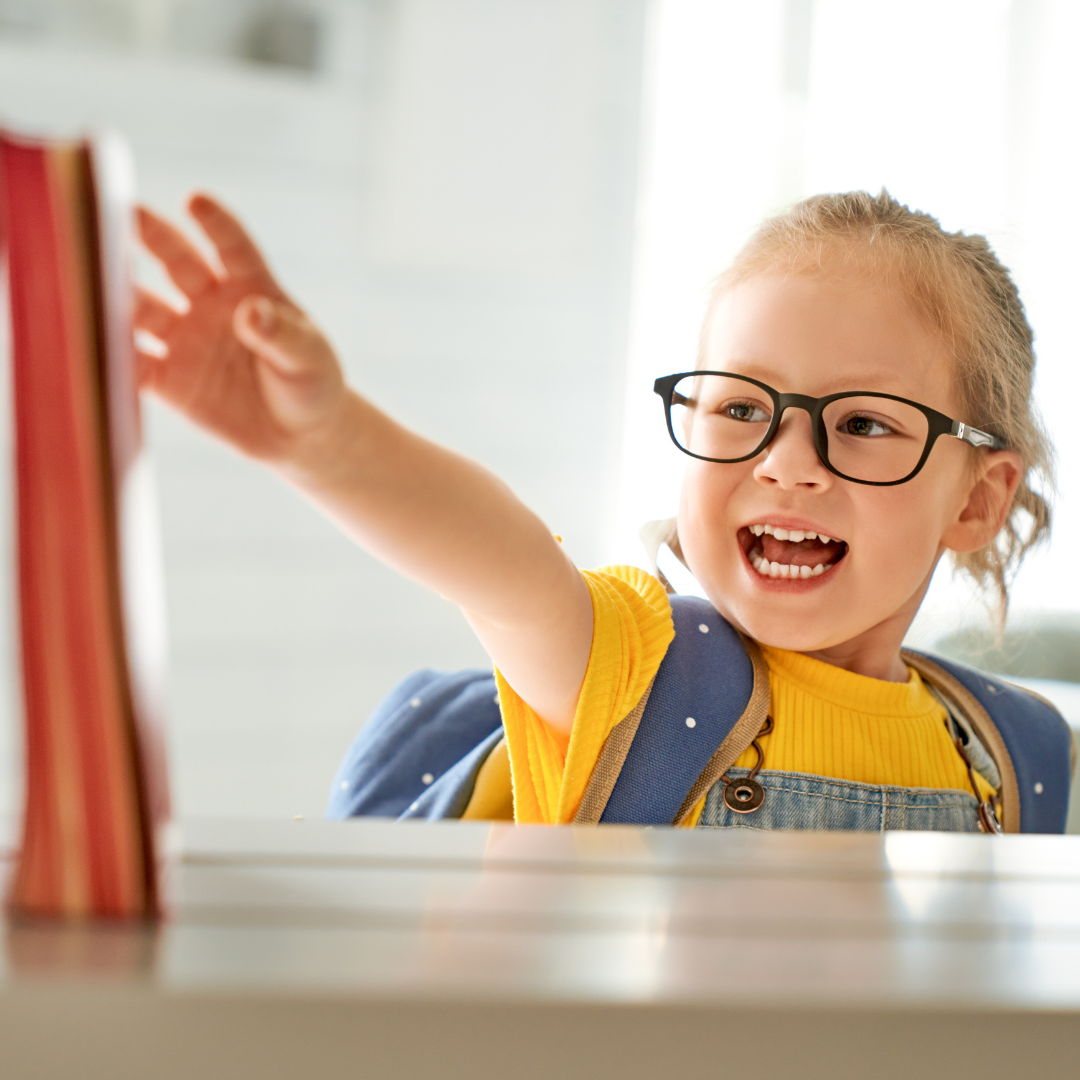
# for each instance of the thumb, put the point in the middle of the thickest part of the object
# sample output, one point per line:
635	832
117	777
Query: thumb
281	335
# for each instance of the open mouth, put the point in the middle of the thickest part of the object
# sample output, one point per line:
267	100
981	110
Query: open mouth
776	552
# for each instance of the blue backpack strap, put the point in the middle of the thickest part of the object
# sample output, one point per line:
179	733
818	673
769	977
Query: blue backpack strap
1030	741
707	703
419	753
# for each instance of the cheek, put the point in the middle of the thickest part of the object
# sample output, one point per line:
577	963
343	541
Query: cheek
905	530
706	495
705	527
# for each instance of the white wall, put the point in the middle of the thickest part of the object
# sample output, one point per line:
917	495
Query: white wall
451	195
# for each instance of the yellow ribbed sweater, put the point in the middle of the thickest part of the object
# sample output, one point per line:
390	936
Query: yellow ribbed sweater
827	721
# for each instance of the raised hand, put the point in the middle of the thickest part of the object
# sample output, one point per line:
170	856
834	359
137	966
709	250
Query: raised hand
246	364
243	361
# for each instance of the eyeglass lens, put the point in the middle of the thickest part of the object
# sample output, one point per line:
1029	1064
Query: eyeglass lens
869	438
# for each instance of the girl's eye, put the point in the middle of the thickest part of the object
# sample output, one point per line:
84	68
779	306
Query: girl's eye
864	427
749	412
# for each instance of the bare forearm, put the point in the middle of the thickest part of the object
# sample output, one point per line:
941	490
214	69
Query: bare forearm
450	524
436	516
246	363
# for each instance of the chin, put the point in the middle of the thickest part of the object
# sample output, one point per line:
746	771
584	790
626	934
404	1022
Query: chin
780	615
780	632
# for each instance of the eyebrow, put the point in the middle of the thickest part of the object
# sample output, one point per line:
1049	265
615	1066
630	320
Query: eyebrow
837	385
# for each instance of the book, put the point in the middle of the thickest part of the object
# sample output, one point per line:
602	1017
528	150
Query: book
90	607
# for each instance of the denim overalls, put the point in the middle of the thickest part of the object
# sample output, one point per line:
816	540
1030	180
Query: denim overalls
795	800
802	801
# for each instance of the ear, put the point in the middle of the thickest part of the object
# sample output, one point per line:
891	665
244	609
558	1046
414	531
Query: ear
989	501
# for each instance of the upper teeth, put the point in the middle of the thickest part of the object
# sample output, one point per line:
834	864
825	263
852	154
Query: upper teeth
789	534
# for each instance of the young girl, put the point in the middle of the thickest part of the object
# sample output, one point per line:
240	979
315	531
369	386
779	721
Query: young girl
860	406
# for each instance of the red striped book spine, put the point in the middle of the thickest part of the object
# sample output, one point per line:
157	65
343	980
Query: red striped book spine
88	843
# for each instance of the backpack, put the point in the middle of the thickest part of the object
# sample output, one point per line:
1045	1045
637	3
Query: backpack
420	753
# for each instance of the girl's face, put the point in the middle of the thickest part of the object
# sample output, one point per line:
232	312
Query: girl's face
802	334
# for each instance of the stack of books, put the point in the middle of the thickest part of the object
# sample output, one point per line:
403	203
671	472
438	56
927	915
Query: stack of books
90	594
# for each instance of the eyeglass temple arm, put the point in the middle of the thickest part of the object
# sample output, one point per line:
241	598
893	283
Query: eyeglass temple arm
976	437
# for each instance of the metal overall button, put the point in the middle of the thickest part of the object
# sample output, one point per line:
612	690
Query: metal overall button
988	819
745	795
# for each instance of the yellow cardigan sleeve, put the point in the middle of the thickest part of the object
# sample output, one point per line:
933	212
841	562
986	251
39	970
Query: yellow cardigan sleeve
632	629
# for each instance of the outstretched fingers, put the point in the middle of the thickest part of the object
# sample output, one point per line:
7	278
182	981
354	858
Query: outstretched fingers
148	369
190	272
238	253
282	335
153	315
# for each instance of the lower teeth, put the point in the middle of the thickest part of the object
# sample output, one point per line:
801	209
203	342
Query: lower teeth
784	570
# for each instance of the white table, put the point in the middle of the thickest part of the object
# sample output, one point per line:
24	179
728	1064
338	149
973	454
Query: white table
378	949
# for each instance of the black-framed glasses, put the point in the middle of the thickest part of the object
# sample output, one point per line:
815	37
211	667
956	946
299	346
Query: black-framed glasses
859	435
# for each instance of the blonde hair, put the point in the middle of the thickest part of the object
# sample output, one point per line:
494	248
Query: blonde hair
956	283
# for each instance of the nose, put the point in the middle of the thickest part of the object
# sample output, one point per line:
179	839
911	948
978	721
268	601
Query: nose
791	460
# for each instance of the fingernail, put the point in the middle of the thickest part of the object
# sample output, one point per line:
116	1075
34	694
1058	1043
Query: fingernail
264	316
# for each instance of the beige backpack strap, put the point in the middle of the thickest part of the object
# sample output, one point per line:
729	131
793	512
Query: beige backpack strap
964	702
746	729
609	764
617	746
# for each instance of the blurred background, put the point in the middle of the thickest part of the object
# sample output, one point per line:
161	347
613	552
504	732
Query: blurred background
505	213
